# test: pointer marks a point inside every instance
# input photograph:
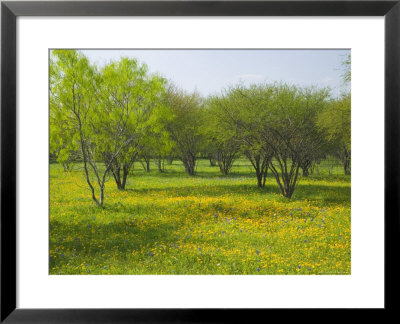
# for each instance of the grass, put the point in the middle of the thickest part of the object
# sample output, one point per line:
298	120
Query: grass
171	223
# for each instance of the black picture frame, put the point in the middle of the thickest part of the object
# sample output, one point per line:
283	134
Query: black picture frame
11	10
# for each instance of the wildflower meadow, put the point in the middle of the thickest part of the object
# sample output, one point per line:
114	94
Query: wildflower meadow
162	169
172	223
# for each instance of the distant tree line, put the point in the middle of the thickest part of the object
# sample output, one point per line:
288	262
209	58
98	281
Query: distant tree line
107	118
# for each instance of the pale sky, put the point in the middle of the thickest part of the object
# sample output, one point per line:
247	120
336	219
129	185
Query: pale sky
210	71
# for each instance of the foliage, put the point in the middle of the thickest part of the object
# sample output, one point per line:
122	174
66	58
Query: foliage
128	89
335	120
73	112
347	69
277	127
184	126
105	114
109	118
221	140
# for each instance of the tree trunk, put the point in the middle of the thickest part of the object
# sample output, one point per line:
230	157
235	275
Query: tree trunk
261	173
347	162
212	160
160	164
346	167
265	175
225	161
286	179
124	177
305	166
146	165
189	161
260	164
116	172
259	179
116	169
101	195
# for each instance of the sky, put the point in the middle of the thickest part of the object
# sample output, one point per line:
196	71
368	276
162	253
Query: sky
211	71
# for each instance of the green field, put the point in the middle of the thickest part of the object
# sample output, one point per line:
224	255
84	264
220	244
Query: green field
172	223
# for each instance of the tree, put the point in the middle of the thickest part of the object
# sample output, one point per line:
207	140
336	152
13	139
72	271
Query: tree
156	146
63	145
335	120
238	112
220	138
162	149
280	120
260	160
71	101
292	132
77	102
184	126
315	146
347	69
135	97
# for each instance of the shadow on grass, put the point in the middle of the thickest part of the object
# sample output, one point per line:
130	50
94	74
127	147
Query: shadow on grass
216	174
91	240
208	190
199	174
324	193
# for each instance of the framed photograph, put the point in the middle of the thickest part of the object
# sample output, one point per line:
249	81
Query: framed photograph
186	161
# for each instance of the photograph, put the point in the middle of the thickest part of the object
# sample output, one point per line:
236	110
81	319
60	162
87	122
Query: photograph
199	161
